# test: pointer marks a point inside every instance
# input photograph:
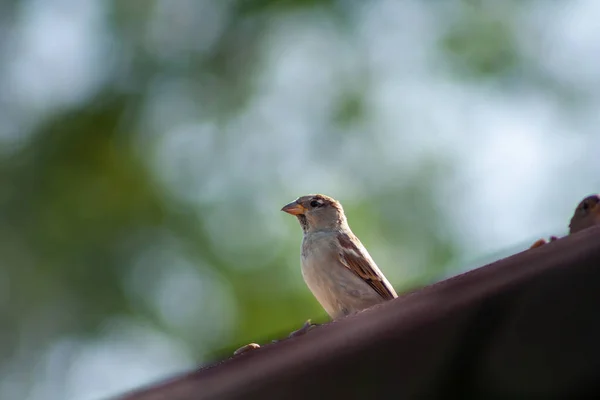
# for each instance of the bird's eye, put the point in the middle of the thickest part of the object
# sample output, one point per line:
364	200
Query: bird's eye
585	206
315	203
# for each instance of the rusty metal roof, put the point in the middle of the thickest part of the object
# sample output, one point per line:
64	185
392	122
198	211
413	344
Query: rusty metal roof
522	327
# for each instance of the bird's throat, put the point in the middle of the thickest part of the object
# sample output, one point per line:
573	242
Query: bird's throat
303	222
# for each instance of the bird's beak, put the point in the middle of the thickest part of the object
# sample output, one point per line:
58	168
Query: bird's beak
294	208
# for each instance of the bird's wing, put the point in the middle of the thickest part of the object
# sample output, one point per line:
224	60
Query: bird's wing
356	258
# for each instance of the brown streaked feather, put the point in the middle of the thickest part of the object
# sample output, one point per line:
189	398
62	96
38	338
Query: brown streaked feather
361	264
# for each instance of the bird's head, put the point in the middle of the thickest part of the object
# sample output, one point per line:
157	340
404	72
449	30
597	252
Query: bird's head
586	214
317	212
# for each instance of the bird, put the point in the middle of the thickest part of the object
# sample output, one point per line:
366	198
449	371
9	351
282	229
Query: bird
586	215
335	265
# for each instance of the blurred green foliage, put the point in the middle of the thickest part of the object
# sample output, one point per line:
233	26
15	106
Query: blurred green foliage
492	51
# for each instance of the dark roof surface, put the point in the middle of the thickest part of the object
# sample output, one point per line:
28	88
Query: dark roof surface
523	327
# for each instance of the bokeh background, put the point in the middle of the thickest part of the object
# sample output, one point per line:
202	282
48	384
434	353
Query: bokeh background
146	148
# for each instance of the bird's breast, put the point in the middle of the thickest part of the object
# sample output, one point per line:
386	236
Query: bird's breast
339	290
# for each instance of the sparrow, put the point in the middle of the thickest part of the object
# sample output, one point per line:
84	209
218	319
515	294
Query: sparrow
586	215
336	267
